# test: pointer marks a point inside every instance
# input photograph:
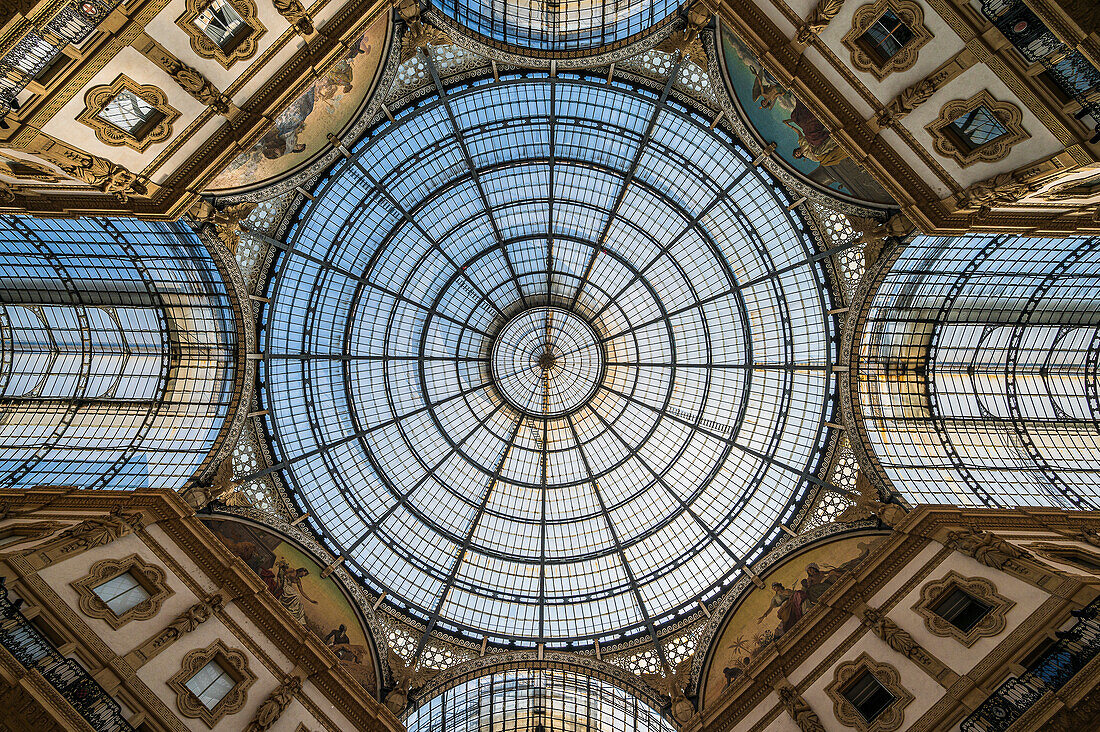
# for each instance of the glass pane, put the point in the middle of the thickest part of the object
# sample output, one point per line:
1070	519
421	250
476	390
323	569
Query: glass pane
127	111
888	35
868	696
210	684
978	126
222	24
122	593
961	610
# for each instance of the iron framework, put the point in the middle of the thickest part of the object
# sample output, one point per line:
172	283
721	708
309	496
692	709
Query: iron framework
977	372
711	305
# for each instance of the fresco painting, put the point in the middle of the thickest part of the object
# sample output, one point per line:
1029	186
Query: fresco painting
801	139
294	578
791	591
300	132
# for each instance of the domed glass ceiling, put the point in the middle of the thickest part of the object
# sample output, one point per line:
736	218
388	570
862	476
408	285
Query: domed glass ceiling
547	359
559	27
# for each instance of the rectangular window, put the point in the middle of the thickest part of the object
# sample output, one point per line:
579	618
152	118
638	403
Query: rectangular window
886	37
977	127
210	684
131	114
961	609
868	696
122	593
222	24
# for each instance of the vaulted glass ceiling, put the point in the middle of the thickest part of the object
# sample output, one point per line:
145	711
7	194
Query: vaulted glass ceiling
552	27
547	360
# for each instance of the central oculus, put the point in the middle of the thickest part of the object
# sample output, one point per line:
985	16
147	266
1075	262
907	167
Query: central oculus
547	362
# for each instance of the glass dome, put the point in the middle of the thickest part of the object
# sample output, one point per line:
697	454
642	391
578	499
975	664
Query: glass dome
555	28
547	360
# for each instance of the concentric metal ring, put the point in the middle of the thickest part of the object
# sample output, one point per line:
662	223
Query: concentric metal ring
547	362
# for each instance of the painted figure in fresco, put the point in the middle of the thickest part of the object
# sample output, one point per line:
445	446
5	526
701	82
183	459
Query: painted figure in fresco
340	77
763	90
285	582
283	135
788	604
815	142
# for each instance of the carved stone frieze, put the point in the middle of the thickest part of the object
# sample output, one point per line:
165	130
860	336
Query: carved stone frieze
1000	190
273	707
295	14
88	534
797	708
184	623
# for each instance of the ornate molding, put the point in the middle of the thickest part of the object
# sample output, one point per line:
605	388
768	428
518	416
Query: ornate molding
233	662
571	60
797	708
27	532
273	707
865	59
295	14
948	144
184	623
149	576
98	97
822	14
88	534
992	624
97	172
206	48
889	677
901	641
1000	190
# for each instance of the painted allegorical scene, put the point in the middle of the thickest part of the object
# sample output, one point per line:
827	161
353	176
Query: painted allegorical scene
801	139
294	578
300	131
763	616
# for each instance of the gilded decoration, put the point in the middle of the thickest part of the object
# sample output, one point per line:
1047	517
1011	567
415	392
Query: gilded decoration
204	46
233	662
892	717
149	576
866	59
158	128
948	144
992	624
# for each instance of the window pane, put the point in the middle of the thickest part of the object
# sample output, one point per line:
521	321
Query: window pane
122	593
978	126
888	35
868	696
961	609
222	24
210	684
127	111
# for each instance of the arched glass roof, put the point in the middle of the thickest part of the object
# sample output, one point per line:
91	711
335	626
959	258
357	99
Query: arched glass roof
559	27
526	700
547	360
118	353
978	371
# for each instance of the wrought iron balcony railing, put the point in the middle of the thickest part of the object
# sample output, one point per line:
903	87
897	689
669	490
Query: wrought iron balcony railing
72	23
1075	648
34	651
1071	71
